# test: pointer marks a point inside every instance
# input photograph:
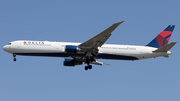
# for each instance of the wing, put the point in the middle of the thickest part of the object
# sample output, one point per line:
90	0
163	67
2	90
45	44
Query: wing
100	39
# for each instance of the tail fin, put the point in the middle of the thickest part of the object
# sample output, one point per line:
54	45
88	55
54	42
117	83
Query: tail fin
162	38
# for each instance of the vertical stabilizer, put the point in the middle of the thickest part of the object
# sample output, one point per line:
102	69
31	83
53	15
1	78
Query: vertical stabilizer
162	38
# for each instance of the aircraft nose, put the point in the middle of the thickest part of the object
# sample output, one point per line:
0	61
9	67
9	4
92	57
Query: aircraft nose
5	48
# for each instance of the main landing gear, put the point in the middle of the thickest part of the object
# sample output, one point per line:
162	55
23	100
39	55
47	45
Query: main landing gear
88	60
88	67
14	57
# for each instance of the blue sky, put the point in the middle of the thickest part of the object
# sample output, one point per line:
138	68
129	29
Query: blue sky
46	79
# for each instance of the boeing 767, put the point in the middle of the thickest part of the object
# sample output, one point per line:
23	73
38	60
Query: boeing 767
89	51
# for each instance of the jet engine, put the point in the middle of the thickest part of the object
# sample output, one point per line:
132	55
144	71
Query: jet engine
71	62
71	49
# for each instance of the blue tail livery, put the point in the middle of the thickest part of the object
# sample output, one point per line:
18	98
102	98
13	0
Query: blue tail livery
162	38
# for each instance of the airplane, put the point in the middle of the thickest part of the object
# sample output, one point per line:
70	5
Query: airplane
89	51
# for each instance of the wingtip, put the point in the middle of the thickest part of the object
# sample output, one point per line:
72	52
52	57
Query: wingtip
174	42
119	22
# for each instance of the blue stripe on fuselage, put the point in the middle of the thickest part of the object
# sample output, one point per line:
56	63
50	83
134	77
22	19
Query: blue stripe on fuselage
118	57
99	56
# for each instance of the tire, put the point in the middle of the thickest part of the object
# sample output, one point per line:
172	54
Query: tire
86	68
14	59
90	66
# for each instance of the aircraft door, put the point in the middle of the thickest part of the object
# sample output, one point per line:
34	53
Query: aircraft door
58	47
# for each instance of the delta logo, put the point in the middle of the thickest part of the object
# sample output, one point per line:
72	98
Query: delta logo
33	42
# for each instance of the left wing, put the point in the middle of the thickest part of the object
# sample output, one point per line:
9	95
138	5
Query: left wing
100	39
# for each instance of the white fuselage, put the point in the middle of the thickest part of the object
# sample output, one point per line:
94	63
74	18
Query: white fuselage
106	51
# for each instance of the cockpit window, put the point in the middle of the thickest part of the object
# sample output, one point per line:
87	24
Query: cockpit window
9	43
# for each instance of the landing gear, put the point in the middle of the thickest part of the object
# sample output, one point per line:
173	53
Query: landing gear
14	56
14	59
88	67
89	59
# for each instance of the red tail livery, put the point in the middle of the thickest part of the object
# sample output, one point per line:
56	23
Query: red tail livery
163	38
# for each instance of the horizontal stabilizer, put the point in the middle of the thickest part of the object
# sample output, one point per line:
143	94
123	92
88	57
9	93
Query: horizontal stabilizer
166	56
166	47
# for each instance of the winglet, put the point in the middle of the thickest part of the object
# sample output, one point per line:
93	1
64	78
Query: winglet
166	47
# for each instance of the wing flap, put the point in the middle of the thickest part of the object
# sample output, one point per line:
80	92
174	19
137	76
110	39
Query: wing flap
98	63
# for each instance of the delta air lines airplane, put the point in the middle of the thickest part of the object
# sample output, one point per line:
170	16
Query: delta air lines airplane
89	51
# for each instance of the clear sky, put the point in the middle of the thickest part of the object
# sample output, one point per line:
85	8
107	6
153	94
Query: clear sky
46	79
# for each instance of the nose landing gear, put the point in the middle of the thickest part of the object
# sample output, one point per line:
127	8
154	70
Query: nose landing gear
14	57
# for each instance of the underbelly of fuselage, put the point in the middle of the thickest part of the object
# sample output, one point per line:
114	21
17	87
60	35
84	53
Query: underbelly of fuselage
99	55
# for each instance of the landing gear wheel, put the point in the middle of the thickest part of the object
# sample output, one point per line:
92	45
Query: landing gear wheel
90	66
86	68
14	55
14	59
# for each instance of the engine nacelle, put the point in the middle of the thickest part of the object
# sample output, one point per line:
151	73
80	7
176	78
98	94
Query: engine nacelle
71	49
71	62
